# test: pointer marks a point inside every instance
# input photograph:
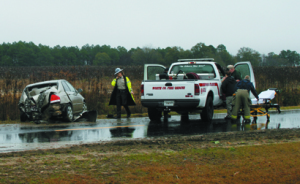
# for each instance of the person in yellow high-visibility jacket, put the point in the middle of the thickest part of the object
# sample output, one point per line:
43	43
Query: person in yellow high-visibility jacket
122	94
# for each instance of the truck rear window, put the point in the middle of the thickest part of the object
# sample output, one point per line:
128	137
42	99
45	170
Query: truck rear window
195	68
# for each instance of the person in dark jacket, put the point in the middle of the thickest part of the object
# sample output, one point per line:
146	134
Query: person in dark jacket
228	89
234	73
164	75
241	98
122	93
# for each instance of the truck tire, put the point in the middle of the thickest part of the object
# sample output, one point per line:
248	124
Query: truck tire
166	116
154	114
208	111
184	117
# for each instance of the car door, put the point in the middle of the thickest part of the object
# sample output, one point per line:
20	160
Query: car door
74	96
245	68
150	71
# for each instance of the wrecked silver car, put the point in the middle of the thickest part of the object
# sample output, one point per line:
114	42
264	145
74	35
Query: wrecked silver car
55	99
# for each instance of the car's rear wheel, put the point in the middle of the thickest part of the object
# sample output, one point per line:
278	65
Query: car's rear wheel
23	117
69	113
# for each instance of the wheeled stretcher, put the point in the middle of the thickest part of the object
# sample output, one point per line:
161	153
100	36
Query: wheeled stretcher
261	108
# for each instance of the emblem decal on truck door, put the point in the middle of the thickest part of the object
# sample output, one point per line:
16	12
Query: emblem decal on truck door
210	84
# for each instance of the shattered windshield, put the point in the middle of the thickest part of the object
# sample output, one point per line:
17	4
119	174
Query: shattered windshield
195	68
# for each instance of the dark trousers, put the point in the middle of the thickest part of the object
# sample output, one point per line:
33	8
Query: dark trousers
122	100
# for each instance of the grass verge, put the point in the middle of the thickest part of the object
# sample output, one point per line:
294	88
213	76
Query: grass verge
255	161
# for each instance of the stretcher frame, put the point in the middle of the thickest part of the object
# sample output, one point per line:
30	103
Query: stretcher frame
256	110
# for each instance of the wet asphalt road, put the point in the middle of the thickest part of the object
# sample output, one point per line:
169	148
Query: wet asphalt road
16	137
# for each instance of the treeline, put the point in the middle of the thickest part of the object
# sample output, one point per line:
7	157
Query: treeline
28	54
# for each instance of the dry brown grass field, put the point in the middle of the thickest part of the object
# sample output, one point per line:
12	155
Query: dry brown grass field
95	82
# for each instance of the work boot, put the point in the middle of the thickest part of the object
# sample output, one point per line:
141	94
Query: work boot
247	121
128	115
117	117
110	116
227	117
233	121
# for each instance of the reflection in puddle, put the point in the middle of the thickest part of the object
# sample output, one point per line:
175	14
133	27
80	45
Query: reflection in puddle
18	137
286	119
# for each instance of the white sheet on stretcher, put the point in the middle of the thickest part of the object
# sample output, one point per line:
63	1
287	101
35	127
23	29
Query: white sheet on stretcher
264	95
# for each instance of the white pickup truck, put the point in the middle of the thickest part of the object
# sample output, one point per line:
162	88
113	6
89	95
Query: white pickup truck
192	85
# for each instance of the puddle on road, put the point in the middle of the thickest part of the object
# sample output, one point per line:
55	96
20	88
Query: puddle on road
18	137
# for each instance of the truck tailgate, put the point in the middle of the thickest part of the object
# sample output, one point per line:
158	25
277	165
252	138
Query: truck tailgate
169	89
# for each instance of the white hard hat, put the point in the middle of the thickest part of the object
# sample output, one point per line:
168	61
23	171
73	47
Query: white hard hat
118	70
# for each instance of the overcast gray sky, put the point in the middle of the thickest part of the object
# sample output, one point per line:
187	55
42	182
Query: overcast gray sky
263	25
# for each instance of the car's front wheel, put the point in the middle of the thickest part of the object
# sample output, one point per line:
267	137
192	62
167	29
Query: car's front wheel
84	107
69	113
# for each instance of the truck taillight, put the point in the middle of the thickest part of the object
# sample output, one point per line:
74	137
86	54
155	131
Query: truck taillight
54	98
142	89
197	89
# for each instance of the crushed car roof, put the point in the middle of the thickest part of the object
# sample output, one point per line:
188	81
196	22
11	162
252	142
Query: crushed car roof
45	82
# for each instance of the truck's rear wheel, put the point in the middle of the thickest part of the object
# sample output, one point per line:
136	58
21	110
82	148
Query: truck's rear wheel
154	114
208	111
184	116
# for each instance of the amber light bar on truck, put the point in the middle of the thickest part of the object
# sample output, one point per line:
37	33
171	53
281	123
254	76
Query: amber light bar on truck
195	59
192	62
